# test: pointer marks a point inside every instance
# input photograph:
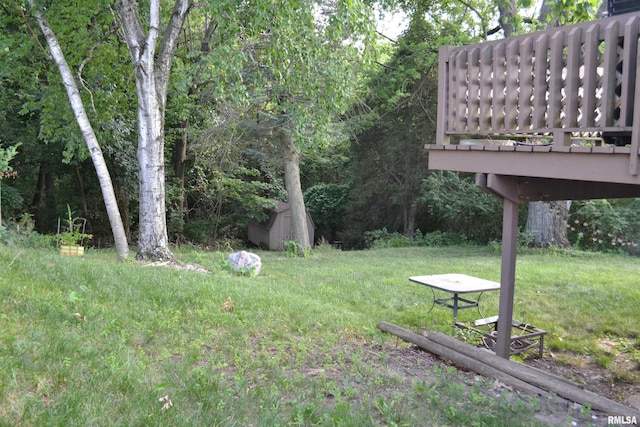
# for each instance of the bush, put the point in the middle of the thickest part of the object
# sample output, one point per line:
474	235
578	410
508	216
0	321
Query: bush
383	239
198	231
377	239
602	225
456	204
22	233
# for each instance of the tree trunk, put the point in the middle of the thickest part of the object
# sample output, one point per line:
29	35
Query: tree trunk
119	236
153	241
547	223
409	219
179	165
81	193
38	195
507	10
291	158
151	69
125	207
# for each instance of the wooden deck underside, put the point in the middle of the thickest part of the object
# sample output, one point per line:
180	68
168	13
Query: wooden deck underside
546	172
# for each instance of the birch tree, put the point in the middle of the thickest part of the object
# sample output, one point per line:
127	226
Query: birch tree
106	185
152	52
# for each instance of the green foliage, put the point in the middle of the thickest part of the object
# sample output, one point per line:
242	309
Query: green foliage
21	233
6	155
605	225
11	202
74	234
574	11
384	239
327	203
378	239
459	206
396	119
199	231
293	250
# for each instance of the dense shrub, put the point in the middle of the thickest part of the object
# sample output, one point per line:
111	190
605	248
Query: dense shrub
21	233
327	204
384	239
604	225
457	205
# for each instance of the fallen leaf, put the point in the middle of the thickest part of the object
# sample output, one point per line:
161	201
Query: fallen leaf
166	402
228	305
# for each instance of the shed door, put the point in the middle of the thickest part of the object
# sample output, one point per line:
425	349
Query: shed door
287	234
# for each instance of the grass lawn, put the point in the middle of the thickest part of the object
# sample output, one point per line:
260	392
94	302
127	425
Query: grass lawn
89	341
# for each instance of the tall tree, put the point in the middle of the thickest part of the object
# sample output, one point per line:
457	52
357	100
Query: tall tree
110	201
303	59
397	118
152	67
547	221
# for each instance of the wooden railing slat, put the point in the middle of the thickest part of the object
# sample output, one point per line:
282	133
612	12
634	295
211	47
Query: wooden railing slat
556	67
609	64
486	72
461	89
525	109
591	77
572	71
498	80
473	93
512	85
443	100
628	70
541	65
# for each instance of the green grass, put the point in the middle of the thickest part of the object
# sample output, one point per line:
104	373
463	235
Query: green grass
89	341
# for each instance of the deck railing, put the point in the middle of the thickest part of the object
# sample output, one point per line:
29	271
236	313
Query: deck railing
562	83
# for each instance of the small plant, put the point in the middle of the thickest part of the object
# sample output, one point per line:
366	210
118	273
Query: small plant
293	250
75	234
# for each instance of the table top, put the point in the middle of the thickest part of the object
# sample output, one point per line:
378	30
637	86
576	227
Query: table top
456	283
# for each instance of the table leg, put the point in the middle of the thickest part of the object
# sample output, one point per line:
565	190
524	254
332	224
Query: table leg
434	300
478	302
455	308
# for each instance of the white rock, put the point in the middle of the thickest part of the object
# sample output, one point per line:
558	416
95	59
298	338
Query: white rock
245	261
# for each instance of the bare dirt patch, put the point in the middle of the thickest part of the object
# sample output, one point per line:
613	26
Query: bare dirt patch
410	363
620	382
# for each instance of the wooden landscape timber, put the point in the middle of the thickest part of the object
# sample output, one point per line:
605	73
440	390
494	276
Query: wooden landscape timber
517	375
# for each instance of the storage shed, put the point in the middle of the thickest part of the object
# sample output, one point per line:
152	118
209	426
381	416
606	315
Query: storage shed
272	233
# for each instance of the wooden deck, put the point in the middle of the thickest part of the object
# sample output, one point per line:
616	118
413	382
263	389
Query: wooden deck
544	173
568	103
572	87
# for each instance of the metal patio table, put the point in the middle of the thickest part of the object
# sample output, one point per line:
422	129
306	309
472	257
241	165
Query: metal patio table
456	284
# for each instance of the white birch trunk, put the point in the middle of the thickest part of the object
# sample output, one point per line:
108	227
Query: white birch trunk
152	76
106	185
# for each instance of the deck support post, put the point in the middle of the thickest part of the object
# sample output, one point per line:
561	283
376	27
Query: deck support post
507	276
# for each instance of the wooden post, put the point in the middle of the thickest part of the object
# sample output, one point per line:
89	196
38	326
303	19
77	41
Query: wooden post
507	276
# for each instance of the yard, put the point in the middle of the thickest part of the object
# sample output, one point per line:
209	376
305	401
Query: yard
88	341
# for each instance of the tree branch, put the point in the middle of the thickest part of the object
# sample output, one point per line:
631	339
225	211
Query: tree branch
33	34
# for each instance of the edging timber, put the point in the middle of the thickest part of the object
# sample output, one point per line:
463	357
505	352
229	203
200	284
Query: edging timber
517	375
